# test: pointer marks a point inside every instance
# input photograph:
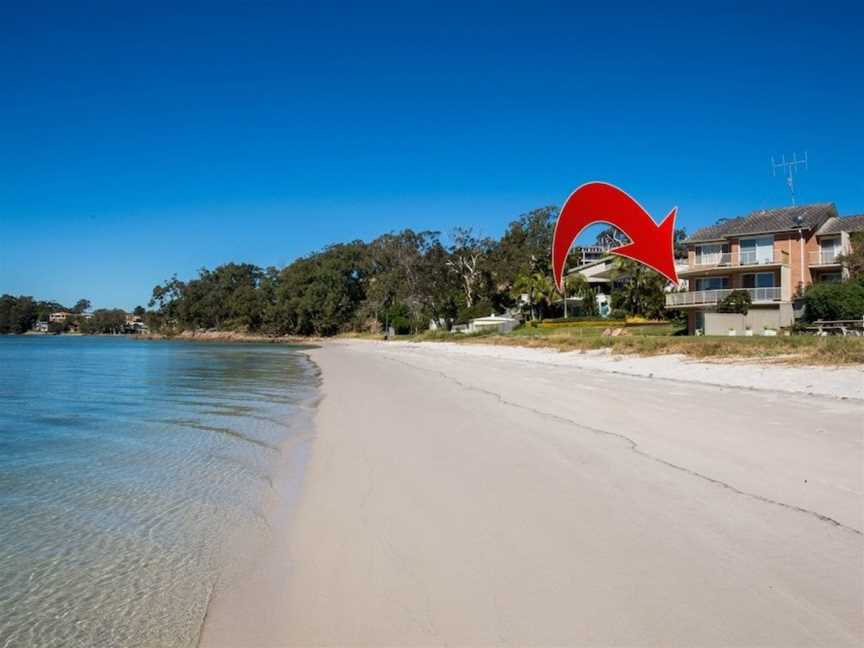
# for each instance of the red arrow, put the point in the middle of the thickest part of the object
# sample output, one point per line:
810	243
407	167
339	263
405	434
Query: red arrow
600	202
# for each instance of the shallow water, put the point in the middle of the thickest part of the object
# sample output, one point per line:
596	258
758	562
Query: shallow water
127	470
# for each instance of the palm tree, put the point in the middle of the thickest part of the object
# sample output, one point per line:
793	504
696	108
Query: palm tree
575	285
537	287
641	290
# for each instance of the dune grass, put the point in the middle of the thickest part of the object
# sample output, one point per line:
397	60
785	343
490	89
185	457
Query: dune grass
666	339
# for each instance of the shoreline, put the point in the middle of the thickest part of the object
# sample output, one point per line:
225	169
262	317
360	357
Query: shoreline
255	554
457	499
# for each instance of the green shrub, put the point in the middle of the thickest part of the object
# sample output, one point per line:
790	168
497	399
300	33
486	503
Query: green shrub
834	301
738	301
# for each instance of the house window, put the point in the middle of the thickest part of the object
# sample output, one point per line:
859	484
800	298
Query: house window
712	283
758	280
711	254
829	249
830	277
755	251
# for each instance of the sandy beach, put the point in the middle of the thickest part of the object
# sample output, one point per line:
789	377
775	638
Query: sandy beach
478	496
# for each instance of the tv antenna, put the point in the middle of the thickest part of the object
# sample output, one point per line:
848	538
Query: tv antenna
789	168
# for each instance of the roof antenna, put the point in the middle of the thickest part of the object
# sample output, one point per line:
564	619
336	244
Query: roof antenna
789	168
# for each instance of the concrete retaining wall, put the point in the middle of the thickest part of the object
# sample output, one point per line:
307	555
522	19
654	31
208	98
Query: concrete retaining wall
757	319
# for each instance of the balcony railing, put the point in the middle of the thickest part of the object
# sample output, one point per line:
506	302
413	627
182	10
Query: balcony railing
709	297
740	258
825	257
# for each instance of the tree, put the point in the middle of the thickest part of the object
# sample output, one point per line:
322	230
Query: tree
105	321
523	249
167	297
17	314
611	237
835	301
397	271
738	301
854	259
639	291
320	294
577	286
466	256
139	311
536	288
678	239
81	306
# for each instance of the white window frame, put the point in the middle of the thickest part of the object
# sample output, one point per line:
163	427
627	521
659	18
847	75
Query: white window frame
758	257
711	258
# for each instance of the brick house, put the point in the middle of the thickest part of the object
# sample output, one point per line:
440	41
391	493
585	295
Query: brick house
773	254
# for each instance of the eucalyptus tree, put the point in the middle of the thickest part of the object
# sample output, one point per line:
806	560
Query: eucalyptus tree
467	255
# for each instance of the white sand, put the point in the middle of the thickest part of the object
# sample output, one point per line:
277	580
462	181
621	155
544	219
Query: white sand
497	496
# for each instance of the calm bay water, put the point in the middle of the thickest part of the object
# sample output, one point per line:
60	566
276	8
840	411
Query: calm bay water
127	471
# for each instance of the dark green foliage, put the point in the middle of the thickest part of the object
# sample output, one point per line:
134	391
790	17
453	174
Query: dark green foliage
639	290
835	301
81	306
20	314
678	239
105	322
403	279
318	294
523	249
398	316
738	301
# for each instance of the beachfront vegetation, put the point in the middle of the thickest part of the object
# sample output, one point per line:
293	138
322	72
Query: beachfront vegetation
835	301
20	314
105	321
738	301
404	279
665	339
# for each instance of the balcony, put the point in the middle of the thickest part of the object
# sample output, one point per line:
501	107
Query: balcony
712	297
742	258
826	257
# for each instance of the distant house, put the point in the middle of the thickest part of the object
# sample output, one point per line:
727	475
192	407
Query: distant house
599	274
500	323
773	254
41	327
590	253
135	324
60	317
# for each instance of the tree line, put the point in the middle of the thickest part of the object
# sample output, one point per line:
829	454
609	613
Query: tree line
404	279
22	313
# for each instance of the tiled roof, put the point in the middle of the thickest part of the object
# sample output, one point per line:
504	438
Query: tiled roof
843	224
781	219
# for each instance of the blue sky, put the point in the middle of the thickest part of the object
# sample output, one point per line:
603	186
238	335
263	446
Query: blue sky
143	140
